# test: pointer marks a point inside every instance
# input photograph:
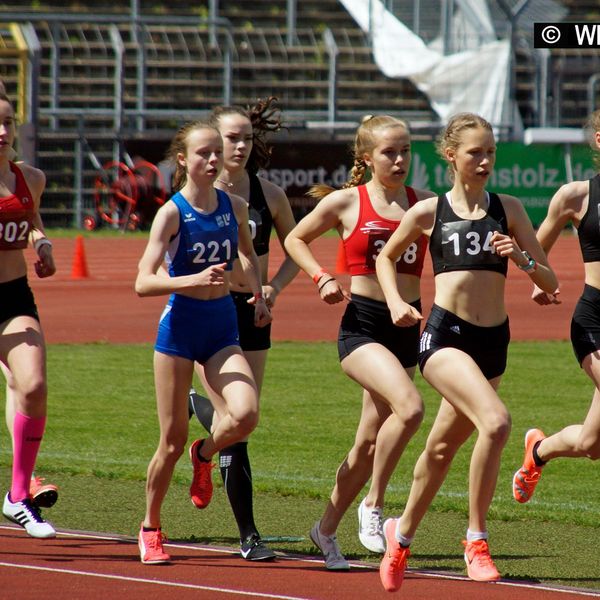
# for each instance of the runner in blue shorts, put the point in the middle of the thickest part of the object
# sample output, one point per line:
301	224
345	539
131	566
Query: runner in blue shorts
198	233
245	152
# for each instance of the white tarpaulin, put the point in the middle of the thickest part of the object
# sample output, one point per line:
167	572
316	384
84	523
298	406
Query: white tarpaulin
474	80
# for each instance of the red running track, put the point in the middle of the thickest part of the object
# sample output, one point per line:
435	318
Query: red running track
104	307
92	566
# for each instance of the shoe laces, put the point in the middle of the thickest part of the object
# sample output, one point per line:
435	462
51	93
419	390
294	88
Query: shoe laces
397	555
32	511
480	552
252	541
374	521
204	473
330	546
155	539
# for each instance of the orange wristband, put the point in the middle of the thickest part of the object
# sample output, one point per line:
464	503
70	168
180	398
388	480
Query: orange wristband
318	275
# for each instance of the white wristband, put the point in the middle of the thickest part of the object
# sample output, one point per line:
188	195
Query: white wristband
41	242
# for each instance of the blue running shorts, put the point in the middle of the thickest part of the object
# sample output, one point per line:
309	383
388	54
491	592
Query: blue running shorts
197	329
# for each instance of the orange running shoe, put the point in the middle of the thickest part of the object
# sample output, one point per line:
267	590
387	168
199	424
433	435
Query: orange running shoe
527	477
151	547
201	489
393	564
43	495
480	566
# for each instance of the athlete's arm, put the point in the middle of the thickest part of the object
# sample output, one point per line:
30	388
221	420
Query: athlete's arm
36	182
417	221
524	240
249	262
149	281
325	216
283	220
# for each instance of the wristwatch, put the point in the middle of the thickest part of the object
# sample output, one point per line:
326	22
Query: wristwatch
531	265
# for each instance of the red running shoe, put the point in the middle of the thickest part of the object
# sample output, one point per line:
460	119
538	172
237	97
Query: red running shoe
528	476
480	566
393	564
43	495
150	544
201	489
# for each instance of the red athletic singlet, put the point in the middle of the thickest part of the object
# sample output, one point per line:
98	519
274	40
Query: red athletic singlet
370	235
16	214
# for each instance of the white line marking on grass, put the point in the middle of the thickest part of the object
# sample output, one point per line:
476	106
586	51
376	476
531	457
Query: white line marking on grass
190	586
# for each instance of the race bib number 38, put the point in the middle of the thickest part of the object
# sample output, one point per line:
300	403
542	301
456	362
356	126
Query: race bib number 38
377	241
375	244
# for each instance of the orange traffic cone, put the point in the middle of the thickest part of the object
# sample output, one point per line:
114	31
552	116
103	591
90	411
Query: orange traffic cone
79	269
341	265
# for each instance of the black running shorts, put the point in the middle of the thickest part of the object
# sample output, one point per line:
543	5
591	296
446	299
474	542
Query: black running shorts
251	337
16	300
585	324
487	346
368	321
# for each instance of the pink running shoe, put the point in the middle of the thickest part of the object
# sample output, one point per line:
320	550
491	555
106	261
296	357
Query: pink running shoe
151	547
480	566
201	489
527	477
43	495
393	564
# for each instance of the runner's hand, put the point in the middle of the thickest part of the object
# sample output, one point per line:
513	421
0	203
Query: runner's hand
333	292
262	314
543	298
44	266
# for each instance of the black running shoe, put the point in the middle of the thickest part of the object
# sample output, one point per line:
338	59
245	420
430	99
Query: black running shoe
252	548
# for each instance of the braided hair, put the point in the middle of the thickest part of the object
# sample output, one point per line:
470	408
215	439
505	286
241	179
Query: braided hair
365	141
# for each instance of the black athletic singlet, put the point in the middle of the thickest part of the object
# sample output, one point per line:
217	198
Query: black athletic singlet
260	218
458	244
589	226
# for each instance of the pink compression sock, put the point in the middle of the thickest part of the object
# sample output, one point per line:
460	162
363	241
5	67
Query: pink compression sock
27	436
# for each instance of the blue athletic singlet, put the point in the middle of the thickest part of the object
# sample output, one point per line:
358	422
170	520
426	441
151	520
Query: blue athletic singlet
203	240
190	328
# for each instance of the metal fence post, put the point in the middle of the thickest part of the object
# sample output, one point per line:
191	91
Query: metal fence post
291	22
78	178
332	51
591	92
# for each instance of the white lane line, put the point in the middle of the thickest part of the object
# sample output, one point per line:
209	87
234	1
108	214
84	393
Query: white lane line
190	586
366	566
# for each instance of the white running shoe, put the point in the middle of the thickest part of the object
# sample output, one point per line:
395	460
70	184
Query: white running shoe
327	544
25	514
370	528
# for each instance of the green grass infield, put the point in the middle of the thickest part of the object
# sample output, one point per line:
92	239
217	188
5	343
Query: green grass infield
102	431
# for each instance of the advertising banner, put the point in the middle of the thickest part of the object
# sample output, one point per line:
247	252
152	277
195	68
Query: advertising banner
531	173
